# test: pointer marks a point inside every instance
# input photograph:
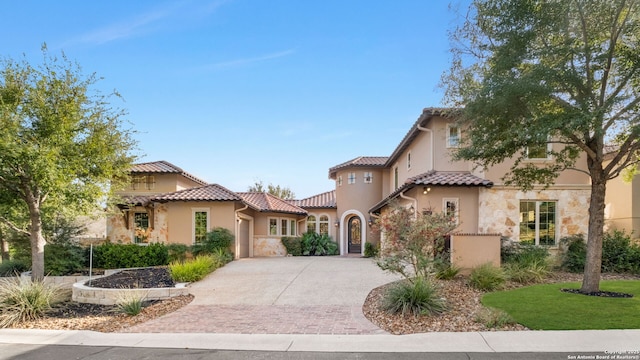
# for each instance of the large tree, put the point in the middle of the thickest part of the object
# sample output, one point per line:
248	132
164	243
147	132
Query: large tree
527	73
61	144
282	192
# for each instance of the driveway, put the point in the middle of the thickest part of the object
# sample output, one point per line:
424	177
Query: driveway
288	295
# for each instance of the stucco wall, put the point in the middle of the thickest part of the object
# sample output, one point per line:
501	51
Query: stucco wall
179	217
499	210
622	209
467	203
471	250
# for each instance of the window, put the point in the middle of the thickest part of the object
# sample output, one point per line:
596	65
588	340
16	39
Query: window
395	178
368	177
282	227
540	151
538	222
319	225
200	225
141	221
339	180
453	136
409	160
450	208
323	225
139	182
352	178
311	223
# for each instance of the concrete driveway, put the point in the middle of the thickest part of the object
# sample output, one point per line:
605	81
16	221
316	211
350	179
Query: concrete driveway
288	295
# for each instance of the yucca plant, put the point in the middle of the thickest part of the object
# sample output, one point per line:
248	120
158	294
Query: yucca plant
416	297
23	300
131	302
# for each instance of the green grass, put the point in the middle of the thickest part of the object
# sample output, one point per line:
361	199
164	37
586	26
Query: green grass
545	307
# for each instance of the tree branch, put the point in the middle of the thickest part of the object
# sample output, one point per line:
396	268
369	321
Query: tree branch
14	226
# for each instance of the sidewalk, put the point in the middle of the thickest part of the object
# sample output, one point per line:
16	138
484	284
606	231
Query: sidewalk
602	341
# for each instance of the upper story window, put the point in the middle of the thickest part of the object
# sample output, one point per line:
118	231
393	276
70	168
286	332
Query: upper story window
352	178
368	177
453	136
395	178
539	152
339	180
409	160
143	182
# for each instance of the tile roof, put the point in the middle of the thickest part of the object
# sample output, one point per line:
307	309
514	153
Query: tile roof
424	118
266	202
211	192
324	200
361	161
435	178
162	166
135	200
449	178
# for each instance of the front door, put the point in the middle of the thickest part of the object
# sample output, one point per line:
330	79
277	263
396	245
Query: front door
355	235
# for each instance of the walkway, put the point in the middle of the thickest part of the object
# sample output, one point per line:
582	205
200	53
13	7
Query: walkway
291	295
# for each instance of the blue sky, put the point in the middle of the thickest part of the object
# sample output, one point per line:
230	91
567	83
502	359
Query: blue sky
243	90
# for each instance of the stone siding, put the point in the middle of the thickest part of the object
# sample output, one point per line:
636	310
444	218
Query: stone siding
268	247
500	210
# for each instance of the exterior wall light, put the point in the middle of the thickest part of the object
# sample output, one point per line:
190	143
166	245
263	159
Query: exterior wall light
426	190
337	223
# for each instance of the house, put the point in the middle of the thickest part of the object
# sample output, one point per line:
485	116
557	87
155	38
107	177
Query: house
622	205
166	204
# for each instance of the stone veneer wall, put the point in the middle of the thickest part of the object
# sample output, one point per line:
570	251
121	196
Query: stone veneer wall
500	209
117	232
268	247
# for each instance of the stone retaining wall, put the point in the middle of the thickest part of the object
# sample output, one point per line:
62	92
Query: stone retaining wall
92	295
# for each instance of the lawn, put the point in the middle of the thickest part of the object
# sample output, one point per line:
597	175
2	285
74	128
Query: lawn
545	307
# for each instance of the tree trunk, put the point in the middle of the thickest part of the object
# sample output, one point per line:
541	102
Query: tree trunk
36	239
4	246
592	268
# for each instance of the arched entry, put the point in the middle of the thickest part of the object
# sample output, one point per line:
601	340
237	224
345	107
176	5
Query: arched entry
354	235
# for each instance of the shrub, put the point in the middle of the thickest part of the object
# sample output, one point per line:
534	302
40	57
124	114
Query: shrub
319	245
13	267
130	303
487	277
575	253
63	259
416	297
23	299
370	250
619	254
529	272
221	258
494	318
293	245
193	270
218	238
115	256
177	252
444	270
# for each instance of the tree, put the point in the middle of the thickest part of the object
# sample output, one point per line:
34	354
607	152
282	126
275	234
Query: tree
411	241
282	192
528	73
61	144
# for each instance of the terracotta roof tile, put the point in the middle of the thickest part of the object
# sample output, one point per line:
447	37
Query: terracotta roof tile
211	192
324	200
135	200
362	161
160	167
435	178
449	178
266	202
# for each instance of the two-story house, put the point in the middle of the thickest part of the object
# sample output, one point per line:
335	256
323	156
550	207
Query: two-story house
420	174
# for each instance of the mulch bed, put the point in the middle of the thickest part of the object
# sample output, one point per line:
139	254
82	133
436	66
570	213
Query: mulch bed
144	278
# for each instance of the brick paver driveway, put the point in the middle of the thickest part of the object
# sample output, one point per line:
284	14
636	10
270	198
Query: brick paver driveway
290	295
